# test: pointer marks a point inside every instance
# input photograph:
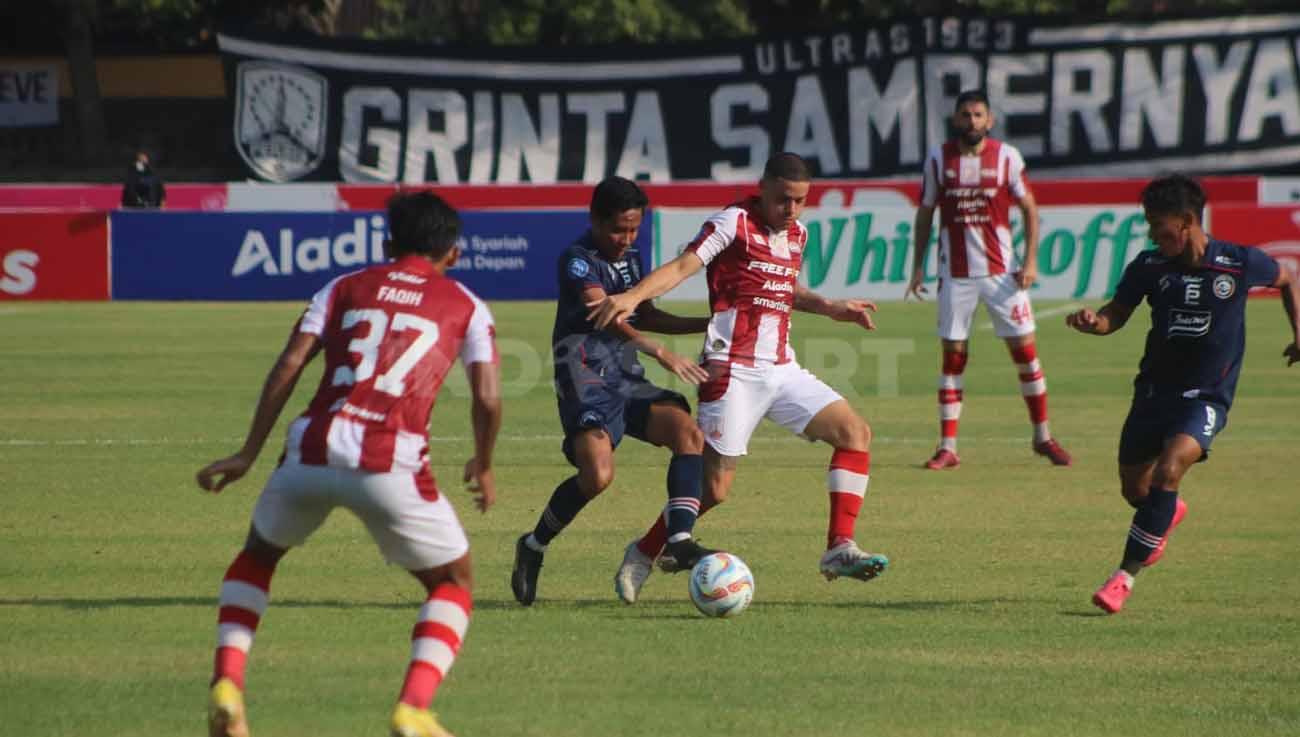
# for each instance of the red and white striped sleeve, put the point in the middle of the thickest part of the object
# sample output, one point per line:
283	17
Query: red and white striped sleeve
718	232
480	345
1017	183
930	178
316	316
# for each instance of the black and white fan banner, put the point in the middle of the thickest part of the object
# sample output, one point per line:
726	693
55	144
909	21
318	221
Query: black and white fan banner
1207	96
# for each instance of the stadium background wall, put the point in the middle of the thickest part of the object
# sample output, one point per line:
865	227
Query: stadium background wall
64	243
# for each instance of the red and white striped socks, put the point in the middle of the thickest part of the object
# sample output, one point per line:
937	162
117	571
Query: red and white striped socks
1033	388
950	394
435	642
245	592
846	482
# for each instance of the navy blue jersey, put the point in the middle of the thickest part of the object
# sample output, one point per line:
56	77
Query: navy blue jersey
574	338
1198	318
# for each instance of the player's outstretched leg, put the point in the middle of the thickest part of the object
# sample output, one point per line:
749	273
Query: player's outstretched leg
566	502
245	592
1152	523
1033	387
435	641
950	396
669	424
846	480
592	451
847	485
685	489
1151	489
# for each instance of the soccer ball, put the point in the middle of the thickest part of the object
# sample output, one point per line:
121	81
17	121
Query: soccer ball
721	585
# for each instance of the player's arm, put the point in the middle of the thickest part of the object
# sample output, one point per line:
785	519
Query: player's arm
485	419
651	318
922	225
478	353
1287	283
921	229
616	307
1028	273
842	310
679	366
276	391
1108	319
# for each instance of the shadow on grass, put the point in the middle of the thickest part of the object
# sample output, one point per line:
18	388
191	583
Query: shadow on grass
143	602
197	601
672	608
652	608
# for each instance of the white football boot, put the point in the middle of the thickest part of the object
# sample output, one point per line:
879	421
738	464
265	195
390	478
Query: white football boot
631	576
847	559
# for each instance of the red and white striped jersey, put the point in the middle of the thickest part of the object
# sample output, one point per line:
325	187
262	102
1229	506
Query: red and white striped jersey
389	334
974	195
752	274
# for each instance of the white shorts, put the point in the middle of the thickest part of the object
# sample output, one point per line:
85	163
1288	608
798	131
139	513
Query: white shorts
1006	302
410	530
736	397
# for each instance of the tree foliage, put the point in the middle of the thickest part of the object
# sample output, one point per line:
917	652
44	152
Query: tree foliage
588	22
174	24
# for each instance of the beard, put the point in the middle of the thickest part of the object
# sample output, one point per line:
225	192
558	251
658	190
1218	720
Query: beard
973	137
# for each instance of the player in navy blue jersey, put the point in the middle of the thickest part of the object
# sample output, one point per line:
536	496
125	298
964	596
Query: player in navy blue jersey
1196	287
603	393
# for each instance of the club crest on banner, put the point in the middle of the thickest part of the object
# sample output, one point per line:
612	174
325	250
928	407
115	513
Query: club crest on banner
280	121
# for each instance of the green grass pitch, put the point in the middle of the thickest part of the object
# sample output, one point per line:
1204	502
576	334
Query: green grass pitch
110	558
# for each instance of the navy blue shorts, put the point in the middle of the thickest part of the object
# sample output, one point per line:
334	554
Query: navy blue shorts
618	407
1152	421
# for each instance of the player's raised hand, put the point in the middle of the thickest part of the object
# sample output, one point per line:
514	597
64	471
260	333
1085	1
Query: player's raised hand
214	476
1292	354
916	286
1084	320
481	482
683	368
613	308
857	311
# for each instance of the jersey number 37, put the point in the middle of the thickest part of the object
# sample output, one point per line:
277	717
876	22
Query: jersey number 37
391	381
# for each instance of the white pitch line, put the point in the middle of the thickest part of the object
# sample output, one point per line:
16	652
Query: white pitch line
1061	310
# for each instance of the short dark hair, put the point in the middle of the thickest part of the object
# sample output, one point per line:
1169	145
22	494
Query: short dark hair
423	223
1173	194
971	96
787	166
615	195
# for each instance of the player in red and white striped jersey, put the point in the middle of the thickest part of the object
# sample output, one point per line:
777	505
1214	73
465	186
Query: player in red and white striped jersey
753	251
389	334
973	180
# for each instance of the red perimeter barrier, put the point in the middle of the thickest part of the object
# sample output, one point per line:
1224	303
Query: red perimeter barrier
337	196
1274	228
53	255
